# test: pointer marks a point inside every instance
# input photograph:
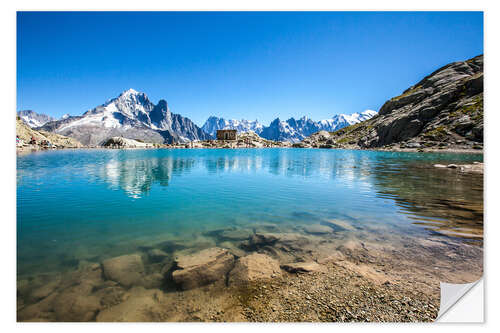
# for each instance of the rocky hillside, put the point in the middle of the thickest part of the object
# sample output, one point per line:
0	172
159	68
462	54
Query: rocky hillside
131	115
25	133
443	110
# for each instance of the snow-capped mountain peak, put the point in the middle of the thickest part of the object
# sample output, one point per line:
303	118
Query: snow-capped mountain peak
131	115
33	119
129	92
287	130
214	123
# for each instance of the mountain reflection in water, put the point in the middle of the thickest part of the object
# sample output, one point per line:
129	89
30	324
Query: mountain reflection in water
443	201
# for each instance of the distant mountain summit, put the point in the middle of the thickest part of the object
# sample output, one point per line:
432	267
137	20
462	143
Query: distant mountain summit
130	115
33	119
292	130
342	120
214	123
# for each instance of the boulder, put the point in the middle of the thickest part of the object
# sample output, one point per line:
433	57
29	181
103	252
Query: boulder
254	267
127	270
202	268
303	267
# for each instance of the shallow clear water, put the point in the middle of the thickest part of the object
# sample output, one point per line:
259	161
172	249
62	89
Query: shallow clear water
91	204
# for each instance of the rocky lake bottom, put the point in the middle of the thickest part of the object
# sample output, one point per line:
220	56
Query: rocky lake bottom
264	235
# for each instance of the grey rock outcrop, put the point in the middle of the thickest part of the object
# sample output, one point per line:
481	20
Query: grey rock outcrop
444	109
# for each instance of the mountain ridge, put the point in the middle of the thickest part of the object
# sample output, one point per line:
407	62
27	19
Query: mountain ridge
130	115
291	130
34	119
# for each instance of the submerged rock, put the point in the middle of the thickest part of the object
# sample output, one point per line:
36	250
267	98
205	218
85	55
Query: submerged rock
254	267
318	229
339	225
476	167
303	267
202	268
262	239
233	248
157	255
71	306
127	270
45	290
238	234
140	306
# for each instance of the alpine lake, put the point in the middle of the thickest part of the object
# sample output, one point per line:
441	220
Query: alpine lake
384	228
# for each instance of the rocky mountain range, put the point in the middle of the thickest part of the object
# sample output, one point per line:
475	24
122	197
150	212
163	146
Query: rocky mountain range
214	123
33	119
443	110
130	115
291	130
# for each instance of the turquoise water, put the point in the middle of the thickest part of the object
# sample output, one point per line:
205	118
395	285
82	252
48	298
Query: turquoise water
77	205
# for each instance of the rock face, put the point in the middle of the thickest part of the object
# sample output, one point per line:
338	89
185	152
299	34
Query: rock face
254	267
127	270
131	115
202	268
444	109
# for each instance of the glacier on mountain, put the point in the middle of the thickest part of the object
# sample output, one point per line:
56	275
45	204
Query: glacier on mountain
292	130
130	115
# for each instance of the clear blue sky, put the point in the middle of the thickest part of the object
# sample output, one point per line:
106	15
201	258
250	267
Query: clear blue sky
252	65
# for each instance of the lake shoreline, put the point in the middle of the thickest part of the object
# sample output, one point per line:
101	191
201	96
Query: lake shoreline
24	150
340	280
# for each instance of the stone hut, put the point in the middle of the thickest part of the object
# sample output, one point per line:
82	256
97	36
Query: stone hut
228	134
